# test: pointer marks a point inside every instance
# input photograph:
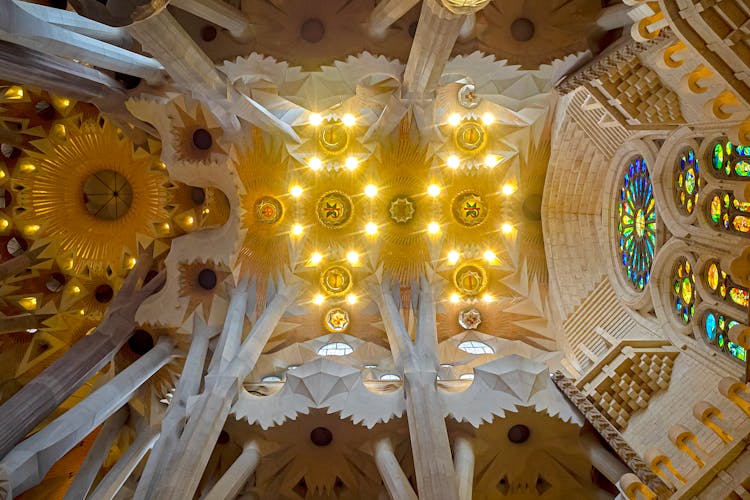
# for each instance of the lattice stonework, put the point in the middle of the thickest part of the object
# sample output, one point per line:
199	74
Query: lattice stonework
641	96
623	384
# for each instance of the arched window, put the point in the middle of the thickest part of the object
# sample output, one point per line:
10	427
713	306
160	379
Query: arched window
722	286
335	349
637	223
466	376
716	330
271	378
475	347
727	212
683	290
687	181
389	377
729	160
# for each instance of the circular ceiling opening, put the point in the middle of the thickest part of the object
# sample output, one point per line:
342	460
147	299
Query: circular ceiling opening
320	436
223	438
312	30
207	279
107	195
208	33
197	195
128	81
103	293
518	434
522	29
141	342
202	139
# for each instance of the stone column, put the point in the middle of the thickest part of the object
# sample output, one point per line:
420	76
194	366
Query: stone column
221	14
385	14
208	414
88	470
609	465
390	470
22	322
464	463
28	463
30	406
230	484
19	264
119	473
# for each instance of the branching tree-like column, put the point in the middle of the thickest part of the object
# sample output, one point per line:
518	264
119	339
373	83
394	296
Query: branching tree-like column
391	472
36	400
185	465
438	28
385	14
19	264
27	464
418	362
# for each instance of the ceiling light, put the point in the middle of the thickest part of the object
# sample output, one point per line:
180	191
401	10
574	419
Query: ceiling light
491	160
454	119
352	257
488	298
351	298
319	299
508	189
454	162
453	256
507	228
296	190
371	228
315	164
455	298
297	229
315	258
351	163
316	119
488	118
433	190
433	228
371	190
490	256
349	119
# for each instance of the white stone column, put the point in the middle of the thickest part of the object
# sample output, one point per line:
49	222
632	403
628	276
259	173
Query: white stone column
390	470
614	16
27	464
230	484
221	14
464	463
119	473
88	470
385	14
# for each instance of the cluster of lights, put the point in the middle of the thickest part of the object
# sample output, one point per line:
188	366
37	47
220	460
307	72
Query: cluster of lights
319	299
454	256
315	163
348	119
454	119
455	298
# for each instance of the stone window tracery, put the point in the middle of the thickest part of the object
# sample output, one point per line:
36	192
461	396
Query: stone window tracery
726	212
683	290
475	347
715	328
723	287
687	181
730	161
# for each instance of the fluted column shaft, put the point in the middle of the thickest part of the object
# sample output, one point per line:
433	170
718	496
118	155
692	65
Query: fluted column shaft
390	470
230	484
464	463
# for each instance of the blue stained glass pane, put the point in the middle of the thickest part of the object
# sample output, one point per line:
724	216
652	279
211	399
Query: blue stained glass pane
710	324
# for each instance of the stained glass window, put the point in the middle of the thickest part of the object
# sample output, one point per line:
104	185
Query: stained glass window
730	160
727	212
716	329
722	286
687	181
637	223
683	290
475	347
335	349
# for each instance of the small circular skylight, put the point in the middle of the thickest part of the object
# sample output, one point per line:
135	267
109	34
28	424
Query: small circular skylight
335	349
475	347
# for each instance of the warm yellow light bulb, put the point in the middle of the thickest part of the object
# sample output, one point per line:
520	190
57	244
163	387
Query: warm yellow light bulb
507	228
316	119
316	258
371	228
371	190
349	119
189	221
74	289
319	299
453	256
455	298
454	119
433	190
31	229
315	164
433	228
351	298
488	118
4	224
131	263
351	163
490	256
491	160
509	189
297	229
454	162
296	190
352	257
488	298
